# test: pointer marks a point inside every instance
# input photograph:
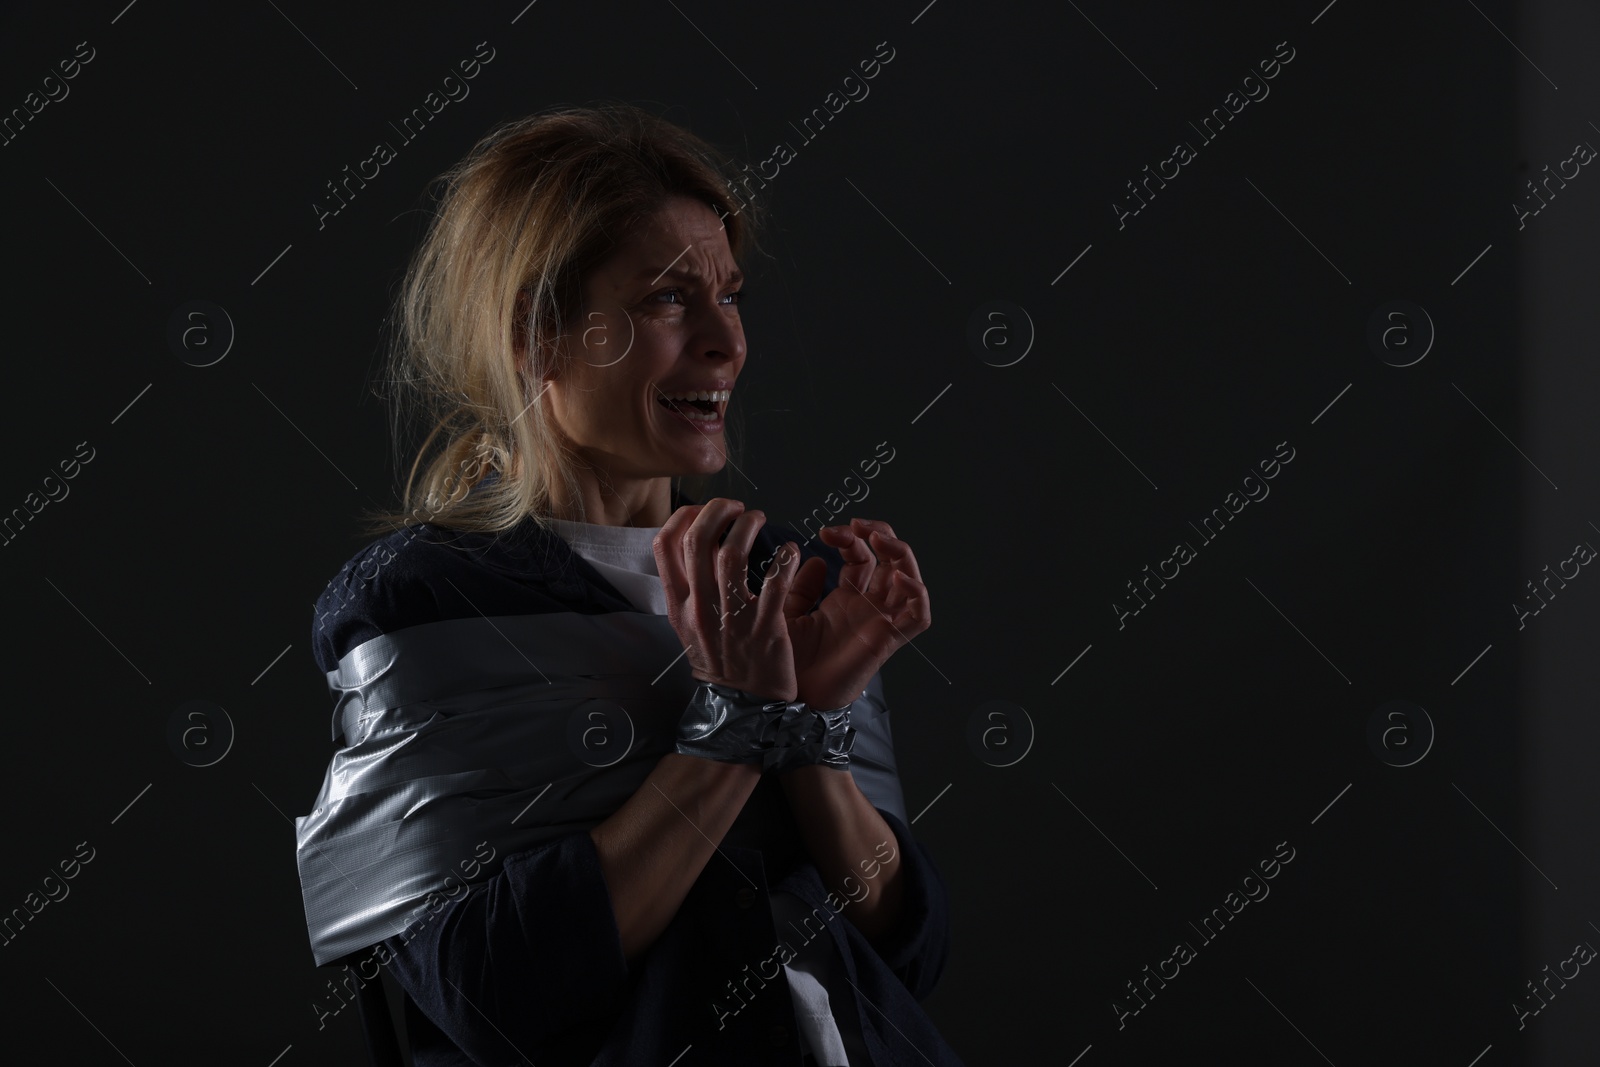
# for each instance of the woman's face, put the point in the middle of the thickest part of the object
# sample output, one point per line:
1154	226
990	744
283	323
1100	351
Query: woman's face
661	320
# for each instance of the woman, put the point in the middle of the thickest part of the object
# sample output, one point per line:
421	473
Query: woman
617	784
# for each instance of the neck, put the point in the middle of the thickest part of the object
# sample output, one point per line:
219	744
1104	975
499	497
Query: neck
641	502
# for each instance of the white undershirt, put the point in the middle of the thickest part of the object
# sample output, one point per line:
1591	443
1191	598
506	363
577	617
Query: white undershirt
625	557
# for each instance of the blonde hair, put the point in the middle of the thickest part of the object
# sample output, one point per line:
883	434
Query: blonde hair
522	221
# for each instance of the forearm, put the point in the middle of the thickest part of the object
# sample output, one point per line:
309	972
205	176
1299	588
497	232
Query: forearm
848	841
654	847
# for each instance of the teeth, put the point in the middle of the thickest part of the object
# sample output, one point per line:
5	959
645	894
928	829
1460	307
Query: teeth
717	395
698	416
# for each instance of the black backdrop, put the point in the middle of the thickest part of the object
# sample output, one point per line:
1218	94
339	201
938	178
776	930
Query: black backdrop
1339	273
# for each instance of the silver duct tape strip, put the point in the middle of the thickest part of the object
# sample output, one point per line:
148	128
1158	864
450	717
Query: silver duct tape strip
514	730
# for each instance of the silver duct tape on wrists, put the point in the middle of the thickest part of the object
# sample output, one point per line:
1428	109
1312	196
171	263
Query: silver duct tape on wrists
833	747
724	723
485	730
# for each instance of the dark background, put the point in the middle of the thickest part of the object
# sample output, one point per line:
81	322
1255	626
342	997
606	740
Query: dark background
1227	717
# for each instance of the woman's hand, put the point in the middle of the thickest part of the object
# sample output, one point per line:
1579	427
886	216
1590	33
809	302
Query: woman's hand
879	604
731	636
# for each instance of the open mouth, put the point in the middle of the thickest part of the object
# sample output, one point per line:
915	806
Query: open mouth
696	409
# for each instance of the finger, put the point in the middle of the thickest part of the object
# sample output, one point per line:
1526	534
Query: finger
699	561
889	548
910	595
806	586
668	549
859	562
733	561
872	524
894	557
916	613
779	592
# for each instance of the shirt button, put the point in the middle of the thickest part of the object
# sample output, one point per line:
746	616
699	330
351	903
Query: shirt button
779	1034
745	896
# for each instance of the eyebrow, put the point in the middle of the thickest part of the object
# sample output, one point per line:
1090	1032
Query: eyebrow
735	277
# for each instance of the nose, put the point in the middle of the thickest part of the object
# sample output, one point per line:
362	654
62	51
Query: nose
722	338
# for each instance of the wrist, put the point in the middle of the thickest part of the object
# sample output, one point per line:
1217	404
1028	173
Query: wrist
756	695
731	725
827	738
829	701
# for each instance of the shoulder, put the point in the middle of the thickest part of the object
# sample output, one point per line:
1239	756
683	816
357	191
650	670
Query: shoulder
424	573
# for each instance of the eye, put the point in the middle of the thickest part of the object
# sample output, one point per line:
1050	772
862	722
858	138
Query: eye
735	298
